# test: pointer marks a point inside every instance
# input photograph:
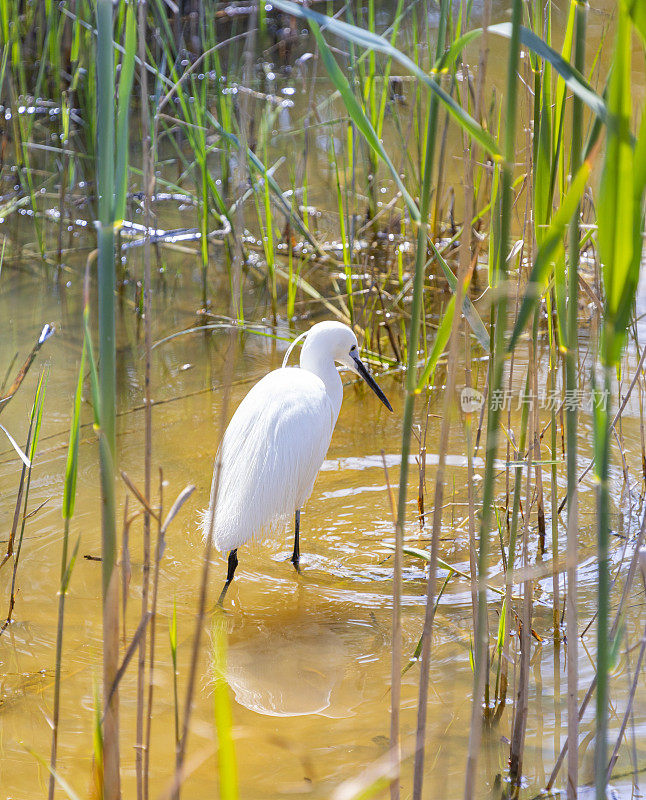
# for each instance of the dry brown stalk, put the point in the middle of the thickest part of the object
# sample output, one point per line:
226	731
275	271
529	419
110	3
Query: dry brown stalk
111	775
47	331
16	512
126	571
25	475
139	495
132	647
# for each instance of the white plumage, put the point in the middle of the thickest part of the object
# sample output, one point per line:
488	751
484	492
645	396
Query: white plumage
276	441
282	428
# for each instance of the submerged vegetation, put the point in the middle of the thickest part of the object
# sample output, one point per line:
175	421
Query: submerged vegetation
467	192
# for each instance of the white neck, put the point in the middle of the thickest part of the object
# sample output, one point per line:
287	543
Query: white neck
325	368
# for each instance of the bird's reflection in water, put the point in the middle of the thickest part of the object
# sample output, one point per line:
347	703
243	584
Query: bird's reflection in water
299	662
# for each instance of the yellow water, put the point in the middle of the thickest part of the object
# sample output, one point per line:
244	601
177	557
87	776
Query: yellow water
308	655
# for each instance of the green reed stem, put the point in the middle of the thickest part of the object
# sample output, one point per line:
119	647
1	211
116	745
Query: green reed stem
504	627
411	370
602	459
431	134
69	496
172	637
105	185
227	762
35	422
498	353
105	94
620	225
571	418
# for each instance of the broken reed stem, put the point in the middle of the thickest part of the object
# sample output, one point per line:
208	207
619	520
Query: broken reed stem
468	382
47	331
30	451
18	506
126	571
437	524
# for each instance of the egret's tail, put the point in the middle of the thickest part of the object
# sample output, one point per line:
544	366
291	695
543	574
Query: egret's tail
207	521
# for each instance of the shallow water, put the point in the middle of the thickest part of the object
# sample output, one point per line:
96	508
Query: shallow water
308	655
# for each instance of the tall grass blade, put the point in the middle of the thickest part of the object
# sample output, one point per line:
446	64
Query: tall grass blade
619	234
67	565
441	340
468	309
126	79
637	11
571	76
105	94
23	457
570	340
71	466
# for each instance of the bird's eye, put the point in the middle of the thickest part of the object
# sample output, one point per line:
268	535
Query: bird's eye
353	348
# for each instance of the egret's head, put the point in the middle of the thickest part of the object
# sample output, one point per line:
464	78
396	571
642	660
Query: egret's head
336	340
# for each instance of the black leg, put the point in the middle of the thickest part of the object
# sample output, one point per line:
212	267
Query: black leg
231	568
296	555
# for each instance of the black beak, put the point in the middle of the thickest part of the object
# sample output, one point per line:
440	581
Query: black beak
372	383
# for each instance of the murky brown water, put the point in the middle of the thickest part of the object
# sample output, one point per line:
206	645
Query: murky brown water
309	655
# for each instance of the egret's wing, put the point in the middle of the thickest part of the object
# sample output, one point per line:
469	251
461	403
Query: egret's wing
271	453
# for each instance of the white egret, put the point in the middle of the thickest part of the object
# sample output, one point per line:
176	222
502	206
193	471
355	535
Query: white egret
276	441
